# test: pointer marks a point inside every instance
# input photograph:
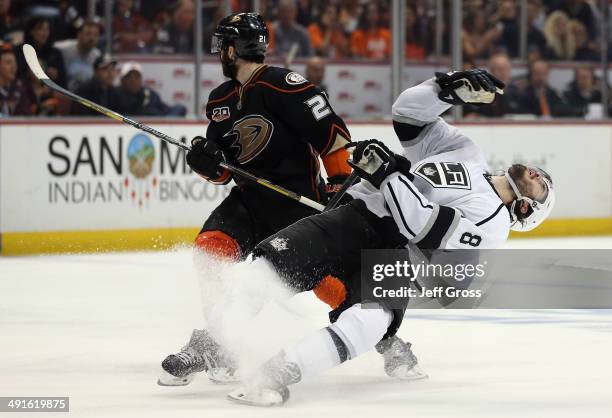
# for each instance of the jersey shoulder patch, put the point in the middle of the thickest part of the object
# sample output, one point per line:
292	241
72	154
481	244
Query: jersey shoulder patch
283	79
447	175
295	79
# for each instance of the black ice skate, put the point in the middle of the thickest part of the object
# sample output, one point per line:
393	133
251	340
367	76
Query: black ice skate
400	361
200	354
269	385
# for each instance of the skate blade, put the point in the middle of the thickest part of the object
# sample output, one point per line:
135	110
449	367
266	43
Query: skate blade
223	376
260	397
166	379
406	374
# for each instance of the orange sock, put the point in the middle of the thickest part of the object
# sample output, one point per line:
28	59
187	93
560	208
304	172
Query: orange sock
218	243
331	291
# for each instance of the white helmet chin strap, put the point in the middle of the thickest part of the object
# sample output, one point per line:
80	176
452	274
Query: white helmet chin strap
517	192
539	210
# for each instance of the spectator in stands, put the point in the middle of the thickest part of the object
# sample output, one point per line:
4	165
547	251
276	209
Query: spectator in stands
176	37
327	35
69	21
371	40
315	73
14	100
287	32
507	27
100	89
350	14
80	53
155	10
580	10
417	36
44	101
539	98
307	11
136	99
585	49
559	38
584	89
536	42
501	68
38	34
477	40
131	31
8	23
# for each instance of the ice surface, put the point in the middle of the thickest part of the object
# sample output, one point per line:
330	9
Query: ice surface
95	328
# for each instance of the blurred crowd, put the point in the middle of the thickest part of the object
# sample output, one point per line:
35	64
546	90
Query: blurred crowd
531	93
71	46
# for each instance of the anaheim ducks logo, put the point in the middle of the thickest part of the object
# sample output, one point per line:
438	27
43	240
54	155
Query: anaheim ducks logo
251	135
294	78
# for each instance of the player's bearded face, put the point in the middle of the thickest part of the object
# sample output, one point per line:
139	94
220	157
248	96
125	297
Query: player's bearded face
529	182
517	172
228	64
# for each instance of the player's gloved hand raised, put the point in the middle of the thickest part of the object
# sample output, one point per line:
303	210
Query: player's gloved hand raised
471	86
374	162
204	158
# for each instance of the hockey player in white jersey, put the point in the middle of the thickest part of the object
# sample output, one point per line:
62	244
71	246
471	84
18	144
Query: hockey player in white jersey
439	195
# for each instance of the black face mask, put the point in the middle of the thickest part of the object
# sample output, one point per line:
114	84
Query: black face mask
230	69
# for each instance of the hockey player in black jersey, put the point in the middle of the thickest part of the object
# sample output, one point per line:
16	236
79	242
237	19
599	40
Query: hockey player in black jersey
275	124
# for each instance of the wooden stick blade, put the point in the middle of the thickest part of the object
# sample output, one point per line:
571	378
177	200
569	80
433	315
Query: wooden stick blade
32	60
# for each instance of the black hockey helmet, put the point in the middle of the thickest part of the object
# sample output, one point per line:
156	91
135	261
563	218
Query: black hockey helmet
247	32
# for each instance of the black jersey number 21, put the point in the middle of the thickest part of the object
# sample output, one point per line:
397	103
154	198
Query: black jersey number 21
319	106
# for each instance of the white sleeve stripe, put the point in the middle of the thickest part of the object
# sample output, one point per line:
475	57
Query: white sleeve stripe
399	210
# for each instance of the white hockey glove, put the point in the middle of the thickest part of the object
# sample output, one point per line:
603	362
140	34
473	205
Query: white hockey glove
472	86
374	162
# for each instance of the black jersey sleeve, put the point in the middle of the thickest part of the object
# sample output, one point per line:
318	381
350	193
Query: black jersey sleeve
217	111
306	110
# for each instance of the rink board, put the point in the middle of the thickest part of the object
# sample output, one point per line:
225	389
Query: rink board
105	186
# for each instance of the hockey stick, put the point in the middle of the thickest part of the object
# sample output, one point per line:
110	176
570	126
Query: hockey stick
338	195
32	61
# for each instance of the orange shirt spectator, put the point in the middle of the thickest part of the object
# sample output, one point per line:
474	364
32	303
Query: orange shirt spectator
373	44
371	39
327	35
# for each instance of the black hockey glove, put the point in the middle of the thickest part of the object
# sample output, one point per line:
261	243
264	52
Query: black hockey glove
204	158
472	86
374	162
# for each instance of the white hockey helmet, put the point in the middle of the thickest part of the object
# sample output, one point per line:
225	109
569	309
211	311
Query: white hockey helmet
539	209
